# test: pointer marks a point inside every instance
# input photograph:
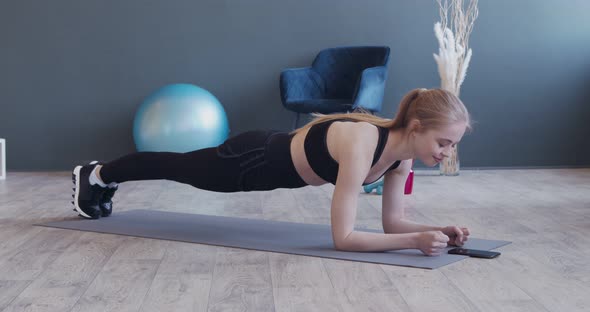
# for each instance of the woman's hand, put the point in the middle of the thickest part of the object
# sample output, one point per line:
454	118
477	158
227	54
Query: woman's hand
457	236
432	243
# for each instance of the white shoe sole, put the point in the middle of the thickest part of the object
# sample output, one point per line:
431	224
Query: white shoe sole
77	178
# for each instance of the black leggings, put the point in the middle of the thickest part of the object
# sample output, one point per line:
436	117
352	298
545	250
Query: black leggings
251	161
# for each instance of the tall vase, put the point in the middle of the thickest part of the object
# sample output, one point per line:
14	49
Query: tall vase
450	165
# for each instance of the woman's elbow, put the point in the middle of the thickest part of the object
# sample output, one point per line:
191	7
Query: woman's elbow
343	243
340	245
390	226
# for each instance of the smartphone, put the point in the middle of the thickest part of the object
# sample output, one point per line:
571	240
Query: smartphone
474	253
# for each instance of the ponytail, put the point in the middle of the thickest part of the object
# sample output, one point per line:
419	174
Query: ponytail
433	108
401	120
362	116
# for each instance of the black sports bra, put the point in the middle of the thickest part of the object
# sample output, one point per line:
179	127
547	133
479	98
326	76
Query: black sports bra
319	158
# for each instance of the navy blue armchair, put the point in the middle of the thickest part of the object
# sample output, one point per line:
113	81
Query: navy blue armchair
339	80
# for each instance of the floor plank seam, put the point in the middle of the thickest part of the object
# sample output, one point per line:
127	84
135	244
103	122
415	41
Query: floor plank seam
394	284
153	278
463	295
212	277
105	261
15	297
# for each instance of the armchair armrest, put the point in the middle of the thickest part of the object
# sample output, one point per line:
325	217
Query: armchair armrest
371	88
301	83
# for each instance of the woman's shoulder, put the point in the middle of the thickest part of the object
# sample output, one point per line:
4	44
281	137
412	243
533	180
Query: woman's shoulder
355	136
403	167
351	129
355	127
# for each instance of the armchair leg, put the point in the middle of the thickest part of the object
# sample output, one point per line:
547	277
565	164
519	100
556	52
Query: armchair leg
296	121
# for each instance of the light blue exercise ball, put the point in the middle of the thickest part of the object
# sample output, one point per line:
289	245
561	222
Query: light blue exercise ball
179	118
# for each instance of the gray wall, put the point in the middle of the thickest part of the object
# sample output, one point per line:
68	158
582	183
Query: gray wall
72	73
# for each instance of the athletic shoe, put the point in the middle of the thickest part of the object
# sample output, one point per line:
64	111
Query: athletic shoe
105	203
86	196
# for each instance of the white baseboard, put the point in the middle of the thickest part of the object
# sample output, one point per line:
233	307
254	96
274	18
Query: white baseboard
2	159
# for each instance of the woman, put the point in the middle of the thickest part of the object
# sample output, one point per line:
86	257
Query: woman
348	150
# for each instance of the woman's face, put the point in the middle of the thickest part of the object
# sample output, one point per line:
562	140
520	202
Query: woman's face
432	146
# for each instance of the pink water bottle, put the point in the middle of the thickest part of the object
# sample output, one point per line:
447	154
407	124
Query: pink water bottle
409	183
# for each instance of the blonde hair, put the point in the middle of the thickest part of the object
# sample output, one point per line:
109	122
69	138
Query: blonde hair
434	108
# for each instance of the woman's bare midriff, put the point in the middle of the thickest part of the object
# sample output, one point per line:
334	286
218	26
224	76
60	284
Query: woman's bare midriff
300	160
309	176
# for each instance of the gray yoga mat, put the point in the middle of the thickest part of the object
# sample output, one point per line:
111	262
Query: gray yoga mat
284	237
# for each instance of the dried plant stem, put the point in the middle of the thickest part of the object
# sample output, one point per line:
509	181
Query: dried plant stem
450	166
453	37
454	55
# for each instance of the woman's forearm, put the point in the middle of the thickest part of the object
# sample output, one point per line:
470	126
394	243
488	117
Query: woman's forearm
367	241
405	226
